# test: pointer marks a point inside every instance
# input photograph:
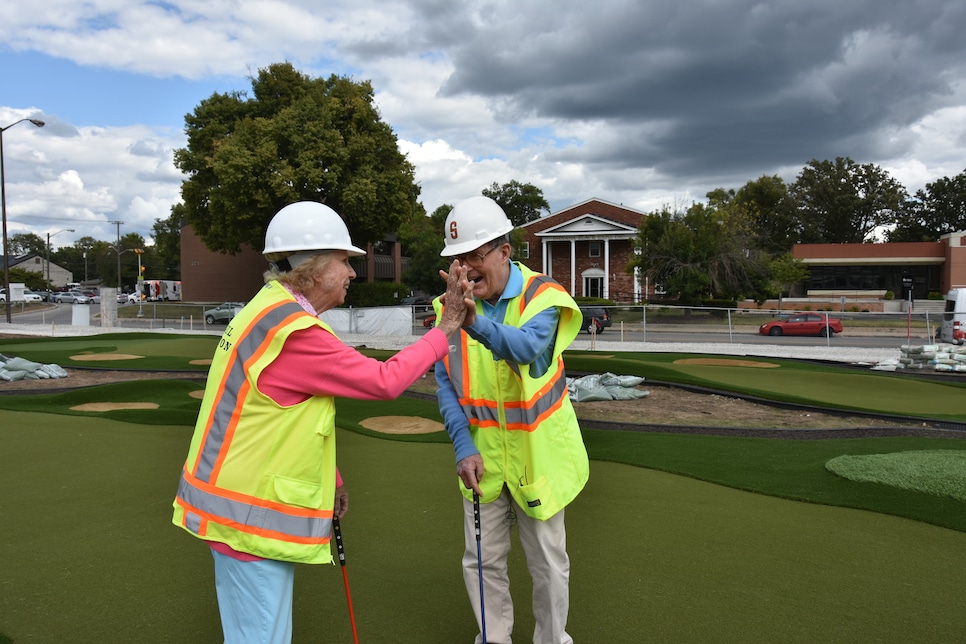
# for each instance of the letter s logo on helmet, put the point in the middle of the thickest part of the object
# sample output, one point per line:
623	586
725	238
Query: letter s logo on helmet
473	222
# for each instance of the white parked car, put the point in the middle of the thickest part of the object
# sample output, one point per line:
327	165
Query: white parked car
28	296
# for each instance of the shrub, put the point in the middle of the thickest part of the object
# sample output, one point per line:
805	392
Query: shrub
374	294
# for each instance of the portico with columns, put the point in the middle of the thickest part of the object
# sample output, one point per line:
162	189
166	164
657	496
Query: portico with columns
586	248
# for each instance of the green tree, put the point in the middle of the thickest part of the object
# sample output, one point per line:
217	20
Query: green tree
522	202
704	253
786	272
933	212
841	201
422	239
766	200
166	252
296	139
26	244
32	280
81	255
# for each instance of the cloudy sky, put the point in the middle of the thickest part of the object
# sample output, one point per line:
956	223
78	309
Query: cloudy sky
640	103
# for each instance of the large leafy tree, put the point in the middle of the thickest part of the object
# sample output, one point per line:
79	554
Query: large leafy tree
842	201
296	138
26	244
766	201
522	202
422	239
165	255
933	212
703	253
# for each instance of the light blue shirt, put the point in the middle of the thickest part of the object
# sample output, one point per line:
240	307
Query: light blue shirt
530	344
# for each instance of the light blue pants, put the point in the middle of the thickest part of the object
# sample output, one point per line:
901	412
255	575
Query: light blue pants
254	599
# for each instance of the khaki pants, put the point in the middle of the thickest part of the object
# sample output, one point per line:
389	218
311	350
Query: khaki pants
545	546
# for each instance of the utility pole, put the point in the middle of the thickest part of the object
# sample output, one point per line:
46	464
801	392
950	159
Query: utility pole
118	251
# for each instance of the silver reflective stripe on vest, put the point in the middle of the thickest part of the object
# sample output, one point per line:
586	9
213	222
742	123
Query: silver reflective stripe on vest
516	417
541	405
533	287
251	516
228	400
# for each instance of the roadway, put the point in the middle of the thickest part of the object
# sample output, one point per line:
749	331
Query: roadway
61	315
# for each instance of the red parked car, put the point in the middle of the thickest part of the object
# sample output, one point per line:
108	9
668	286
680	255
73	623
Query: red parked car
802	324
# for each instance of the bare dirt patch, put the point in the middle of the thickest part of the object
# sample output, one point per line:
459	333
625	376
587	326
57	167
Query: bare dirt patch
668	406
81	357
110	406
728	362
674	406
90	377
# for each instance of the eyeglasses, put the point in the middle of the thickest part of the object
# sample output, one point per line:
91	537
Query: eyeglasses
474	258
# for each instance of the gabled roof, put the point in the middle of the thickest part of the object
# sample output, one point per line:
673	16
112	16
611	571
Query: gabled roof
608	216
17	259
590	226
588	205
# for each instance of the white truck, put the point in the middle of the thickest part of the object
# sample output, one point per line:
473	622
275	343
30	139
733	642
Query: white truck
953	329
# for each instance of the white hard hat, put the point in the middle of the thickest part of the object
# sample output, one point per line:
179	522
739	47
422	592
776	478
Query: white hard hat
303	229
473	222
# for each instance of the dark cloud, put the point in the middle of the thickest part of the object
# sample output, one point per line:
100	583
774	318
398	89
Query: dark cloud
703	87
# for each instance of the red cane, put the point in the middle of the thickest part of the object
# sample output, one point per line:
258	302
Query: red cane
345	577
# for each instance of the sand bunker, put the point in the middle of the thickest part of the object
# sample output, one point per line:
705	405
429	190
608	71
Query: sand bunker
107	406
724	362
105	356
402	425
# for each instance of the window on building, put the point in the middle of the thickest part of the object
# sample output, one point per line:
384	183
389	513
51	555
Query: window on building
522	251
594	249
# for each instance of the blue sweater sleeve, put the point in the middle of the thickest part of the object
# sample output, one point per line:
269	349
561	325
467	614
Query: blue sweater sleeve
454	419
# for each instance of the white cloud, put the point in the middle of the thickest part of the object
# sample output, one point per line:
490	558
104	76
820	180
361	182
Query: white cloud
87	177
646	104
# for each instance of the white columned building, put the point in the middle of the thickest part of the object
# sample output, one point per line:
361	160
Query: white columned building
588	240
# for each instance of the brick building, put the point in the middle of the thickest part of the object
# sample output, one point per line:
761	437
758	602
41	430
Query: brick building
586	248
904	268
215	277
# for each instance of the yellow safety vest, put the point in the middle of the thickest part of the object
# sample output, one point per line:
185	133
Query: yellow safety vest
260	477
524	425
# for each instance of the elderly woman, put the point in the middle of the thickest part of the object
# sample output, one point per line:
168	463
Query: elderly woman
260	483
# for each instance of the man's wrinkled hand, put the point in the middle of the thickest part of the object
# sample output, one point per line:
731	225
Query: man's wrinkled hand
470	471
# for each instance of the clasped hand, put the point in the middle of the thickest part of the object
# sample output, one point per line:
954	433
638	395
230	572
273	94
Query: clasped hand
457	300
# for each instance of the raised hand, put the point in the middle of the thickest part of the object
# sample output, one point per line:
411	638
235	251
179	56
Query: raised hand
457	300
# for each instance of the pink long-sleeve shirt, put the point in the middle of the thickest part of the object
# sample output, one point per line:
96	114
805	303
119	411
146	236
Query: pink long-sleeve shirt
314	362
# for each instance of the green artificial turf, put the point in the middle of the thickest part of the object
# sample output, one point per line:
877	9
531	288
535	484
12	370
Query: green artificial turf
91	556
160	351
175	405
792	381
940	472
655	556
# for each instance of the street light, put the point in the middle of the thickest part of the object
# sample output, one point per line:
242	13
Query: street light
119	253
3	208
49	235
